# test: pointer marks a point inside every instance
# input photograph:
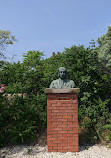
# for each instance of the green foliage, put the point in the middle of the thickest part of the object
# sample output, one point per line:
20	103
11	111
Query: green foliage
98	112
106	131
22	117
93	120
5	39
86	148
104	51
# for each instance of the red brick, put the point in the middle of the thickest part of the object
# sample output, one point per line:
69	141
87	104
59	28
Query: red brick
52	132
49	111
65	141
76	138
50	136
52	101
63	125
68	147
57	129
56	117
62	107
62	132
61	95
62	144
60	147
67	129
50	94
67	105
75	131
75	116
52	150
73	125
62	122
75	101
72	95
55	147
67	116
56	111
67	123
63	119
73	108
49	142
76	148
49	117
52	114
54	126
70	141
53	138
53	98
68	135
62	150
57	105
76	135
65	98
51	108
49	147
57	141
57	123
62	113
57	135
49	105
62	138
63	101
67	110
70	102
73	120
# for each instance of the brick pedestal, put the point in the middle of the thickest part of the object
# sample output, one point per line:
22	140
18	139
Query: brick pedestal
62	120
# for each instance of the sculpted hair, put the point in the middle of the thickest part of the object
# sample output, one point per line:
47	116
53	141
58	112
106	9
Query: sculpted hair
62	68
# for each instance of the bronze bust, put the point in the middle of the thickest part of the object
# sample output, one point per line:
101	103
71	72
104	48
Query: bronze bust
62	82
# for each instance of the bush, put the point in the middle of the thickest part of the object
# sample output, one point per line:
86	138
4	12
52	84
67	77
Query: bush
21	119
93	120
27	116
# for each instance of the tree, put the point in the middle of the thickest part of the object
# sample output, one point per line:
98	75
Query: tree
25	116
33	75
5	39
104	51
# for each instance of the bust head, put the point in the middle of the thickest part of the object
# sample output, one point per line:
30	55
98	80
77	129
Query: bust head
62	82
62	73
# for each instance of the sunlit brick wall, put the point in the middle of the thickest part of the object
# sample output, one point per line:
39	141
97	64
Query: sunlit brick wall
62	123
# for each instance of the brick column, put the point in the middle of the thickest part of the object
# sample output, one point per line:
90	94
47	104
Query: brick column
62	120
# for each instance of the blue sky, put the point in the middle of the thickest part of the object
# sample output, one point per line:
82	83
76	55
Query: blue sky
52	25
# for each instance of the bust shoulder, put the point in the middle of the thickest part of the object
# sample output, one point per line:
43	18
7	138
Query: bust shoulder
54	83
70	83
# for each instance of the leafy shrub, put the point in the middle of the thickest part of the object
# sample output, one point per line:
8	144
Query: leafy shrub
27	116
21	119
92	120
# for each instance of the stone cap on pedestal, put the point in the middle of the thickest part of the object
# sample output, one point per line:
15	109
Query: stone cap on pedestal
53	90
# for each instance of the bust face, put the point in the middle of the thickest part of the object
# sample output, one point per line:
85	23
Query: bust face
65	83
62	73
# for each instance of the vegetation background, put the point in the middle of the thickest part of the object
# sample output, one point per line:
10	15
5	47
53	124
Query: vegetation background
24	116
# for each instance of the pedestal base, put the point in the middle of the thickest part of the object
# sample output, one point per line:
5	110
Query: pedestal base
62	120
